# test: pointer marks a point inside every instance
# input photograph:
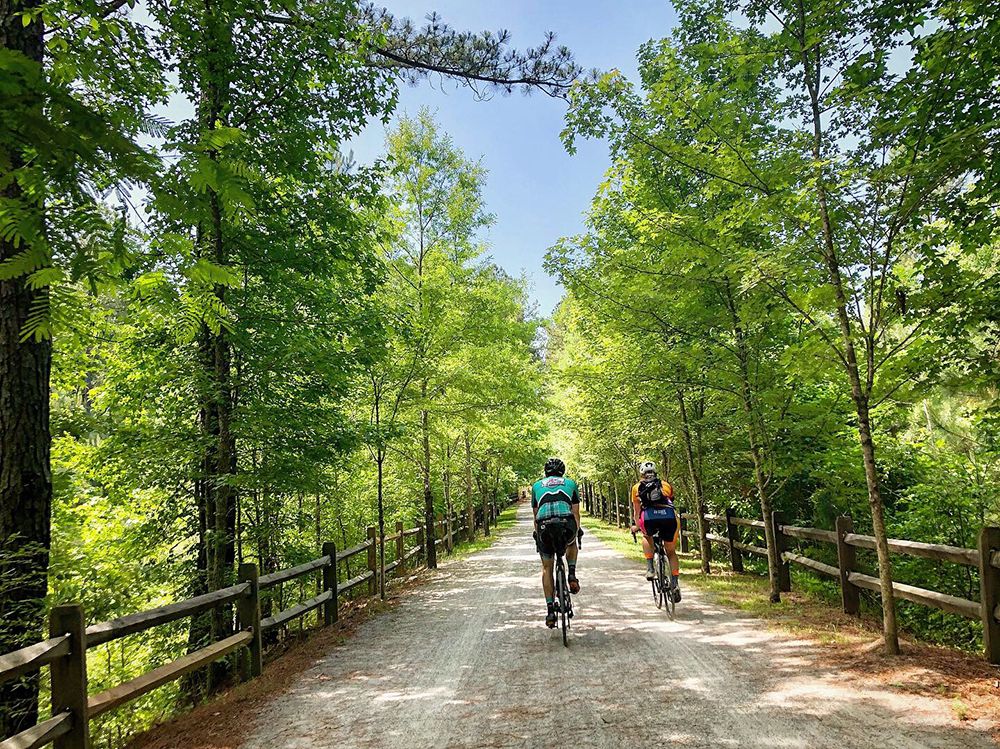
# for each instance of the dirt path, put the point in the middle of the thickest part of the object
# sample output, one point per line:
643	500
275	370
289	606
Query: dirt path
467	662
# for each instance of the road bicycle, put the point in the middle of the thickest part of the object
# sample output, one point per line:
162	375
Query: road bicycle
564	601
662	583
563	597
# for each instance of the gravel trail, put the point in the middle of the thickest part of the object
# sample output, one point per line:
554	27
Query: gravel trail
466	661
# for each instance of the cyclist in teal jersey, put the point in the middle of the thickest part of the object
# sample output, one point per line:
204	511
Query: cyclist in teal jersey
555	503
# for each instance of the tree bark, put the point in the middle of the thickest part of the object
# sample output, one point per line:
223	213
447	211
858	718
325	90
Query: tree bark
425	433
749	408
484	471
25	471
448	509
470	511
699	496
380	463
219	456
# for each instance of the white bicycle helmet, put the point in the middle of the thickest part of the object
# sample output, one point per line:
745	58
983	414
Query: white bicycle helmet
647	466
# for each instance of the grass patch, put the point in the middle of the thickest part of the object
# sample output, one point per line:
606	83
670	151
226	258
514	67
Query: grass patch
505	521
806	610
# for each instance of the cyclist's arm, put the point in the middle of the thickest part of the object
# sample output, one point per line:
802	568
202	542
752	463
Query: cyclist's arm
636	509
574	504
534	508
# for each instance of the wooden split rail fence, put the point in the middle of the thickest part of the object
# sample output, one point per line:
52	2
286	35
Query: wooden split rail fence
745	536
65	652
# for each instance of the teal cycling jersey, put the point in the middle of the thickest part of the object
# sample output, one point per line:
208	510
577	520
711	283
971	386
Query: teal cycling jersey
554	496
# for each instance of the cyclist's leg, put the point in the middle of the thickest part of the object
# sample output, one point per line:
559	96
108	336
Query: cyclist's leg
546	550
548	588
670	549
647	546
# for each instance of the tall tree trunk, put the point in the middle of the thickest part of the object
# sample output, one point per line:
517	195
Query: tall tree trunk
484	472
448	509
699	495
219	459
380	490
750	409
425	433
25	473
470	511
318	527
317	521
380	482
812	75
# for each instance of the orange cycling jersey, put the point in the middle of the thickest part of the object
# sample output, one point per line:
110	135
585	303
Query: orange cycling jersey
646	516
665	488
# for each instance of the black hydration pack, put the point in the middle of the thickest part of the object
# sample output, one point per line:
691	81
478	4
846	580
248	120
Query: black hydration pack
651	493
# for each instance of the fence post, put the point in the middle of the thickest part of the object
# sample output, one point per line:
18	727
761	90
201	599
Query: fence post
69	676
684	538
735	555
850	594
422	554
248	617
373	559
330	583
400	544
784	576
989	590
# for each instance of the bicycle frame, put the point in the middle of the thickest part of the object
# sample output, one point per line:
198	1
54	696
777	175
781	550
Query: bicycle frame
564	600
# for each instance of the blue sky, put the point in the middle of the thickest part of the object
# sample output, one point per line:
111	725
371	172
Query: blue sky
536	190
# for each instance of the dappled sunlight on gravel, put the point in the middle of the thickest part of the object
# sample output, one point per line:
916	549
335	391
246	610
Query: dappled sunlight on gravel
465	661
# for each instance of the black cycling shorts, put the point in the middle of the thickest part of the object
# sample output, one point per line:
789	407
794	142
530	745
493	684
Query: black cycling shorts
555	534
659	519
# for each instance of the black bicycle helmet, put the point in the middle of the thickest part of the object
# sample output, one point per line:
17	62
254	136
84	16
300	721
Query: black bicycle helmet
555	467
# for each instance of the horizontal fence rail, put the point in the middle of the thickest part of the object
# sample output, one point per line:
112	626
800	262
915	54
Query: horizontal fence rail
742	536
65	652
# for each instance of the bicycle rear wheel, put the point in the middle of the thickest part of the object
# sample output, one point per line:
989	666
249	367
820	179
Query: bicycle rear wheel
562	594
661	581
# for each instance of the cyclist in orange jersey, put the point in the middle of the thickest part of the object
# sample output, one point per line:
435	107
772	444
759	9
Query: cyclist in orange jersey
653	508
